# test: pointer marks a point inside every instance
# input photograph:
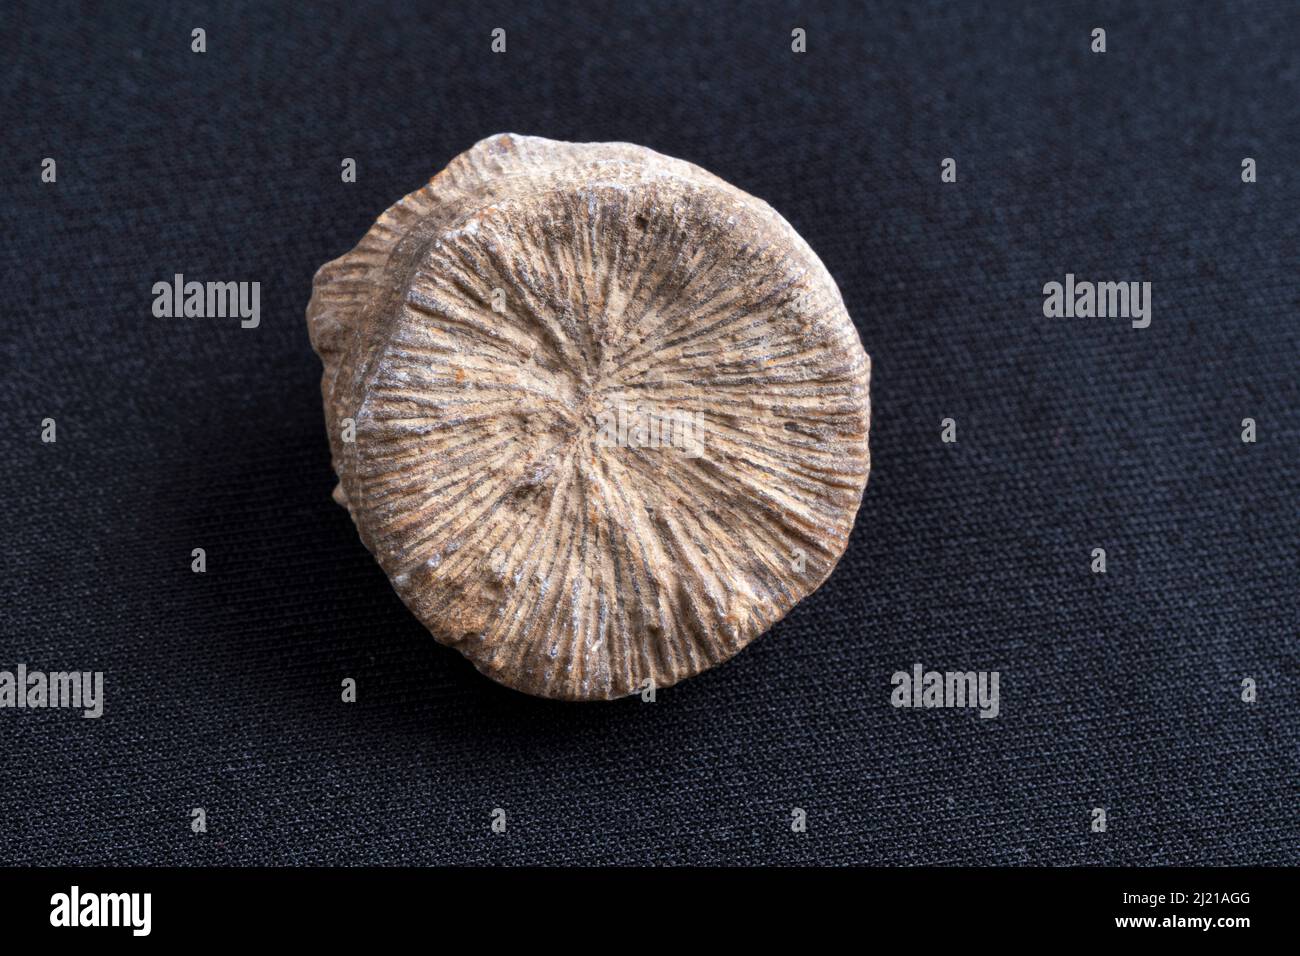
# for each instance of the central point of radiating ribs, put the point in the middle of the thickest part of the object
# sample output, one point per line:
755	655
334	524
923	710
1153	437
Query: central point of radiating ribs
579	396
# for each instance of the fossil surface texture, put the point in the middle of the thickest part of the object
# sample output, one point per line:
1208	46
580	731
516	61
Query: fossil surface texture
600	416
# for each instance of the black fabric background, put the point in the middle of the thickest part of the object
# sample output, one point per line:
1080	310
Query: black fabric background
223	690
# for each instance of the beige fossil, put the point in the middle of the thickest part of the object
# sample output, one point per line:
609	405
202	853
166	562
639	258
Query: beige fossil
601	417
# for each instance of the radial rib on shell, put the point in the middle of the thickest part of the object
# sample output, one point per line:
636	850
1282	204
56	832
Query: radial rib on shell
504	339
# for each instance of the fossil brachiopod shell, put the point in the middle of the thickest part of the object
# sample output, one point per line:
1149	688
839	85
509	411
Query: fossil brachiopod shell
601	417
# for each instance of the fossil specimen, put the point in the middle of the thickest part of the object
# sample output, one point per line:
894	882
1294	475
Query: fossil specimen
600	416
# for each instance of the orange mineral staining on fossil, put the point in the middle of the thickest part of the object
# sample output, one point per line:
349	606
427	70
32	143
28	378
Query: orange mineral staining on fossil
600	416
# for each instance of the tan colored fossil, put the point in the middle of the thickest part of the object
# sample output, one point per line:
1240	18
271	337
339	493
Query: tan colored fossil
601	417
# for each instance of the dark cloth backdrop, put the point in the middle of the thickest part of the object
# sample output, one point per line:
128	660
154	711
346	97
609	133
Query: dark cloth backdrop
1120	691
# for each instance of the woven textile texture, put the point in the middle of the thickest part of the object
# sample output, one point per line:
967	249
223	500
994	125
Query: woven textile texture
1120	691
